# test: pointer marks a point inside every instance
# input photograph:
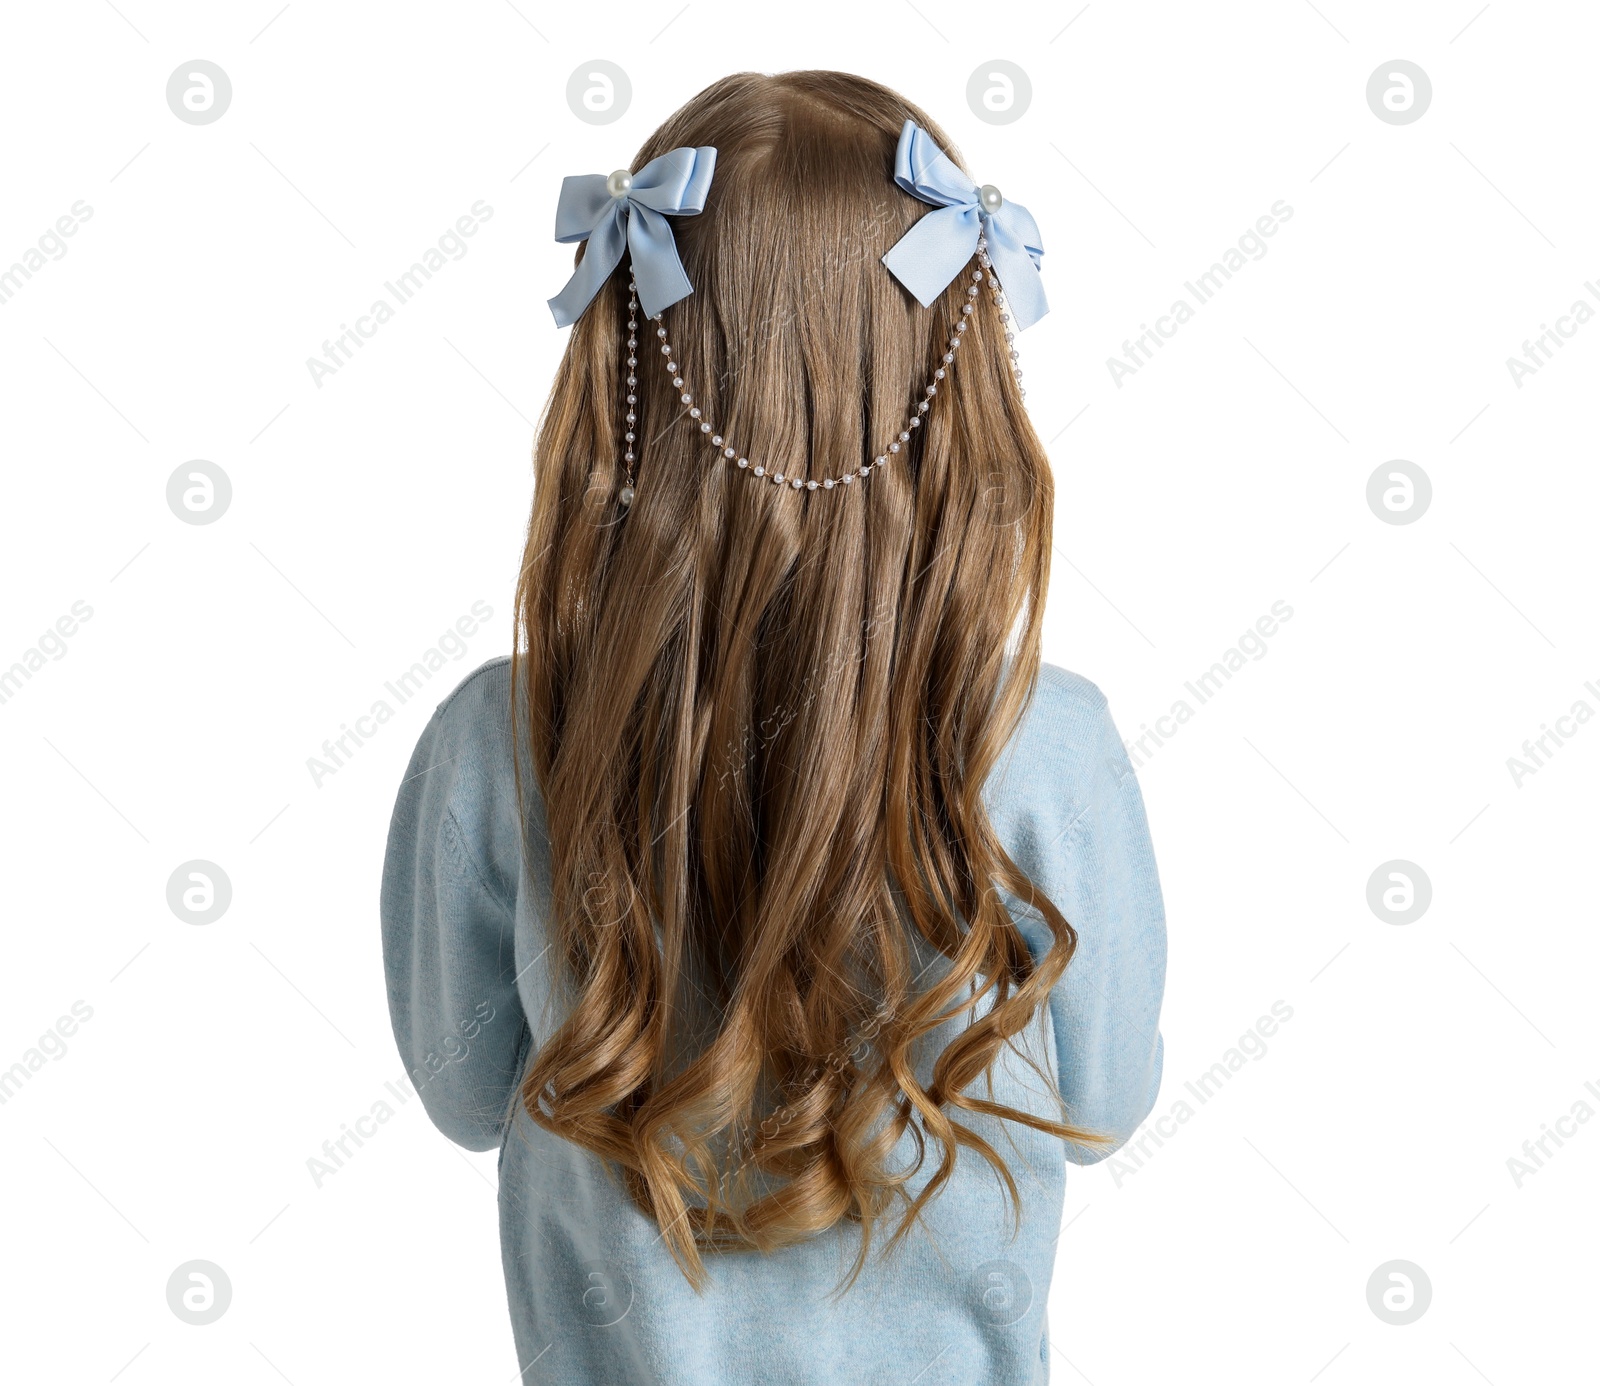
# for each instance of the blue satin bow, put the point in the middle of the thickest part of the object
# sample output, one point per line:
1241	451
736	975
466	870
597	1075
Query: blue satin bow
675	184
933	251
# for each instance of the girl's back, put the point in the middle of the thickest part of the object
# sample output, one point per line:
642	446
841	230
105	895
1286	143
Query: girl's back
782	920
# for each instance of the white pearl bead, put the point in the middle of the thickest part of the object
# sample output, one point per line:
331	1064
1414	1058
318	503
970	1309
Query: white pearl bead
744	462
695	414
778	477
827	484
848	477
619	183
729	452
811	486
705	428
988	194
716	440
761	471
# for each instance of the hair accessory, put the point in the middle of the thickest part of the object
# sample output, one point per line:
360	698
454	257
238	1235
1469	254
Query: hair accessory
730	453
631	209
933	251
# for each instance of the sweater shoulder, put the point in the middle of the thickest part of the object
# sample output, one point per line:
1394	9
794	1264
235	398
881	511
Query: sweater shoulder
1061	748
485	691
1068	720
469	752
471	726
1068	695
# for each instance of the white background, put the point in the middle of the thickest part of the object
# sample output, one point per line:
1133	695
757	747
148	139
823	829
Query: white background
1229	473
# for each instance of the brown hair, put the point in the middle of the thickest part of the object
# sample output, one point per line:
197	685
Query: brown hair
760	717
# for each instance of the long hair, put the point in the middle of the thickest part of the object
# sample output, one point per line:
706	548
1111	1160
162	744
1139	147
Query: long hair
760	718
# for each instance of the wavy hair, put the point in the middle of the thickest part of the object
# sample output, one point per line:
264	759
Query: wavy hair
760	719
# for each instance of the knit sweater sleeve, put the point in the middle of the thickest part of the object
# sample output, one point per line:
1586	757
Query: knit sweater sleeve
448	905
1070	809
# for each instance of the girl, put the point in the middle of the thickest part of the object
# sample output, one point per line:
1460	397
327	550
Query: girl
784	922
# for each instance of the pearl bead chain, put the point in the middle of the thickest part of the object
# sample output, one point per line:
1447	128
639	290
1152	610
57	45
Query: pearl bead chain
732	454
625	495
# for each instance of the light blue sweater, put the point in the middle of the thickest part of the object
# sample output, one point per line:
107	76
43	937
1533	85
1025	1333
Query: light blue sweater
595	1299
